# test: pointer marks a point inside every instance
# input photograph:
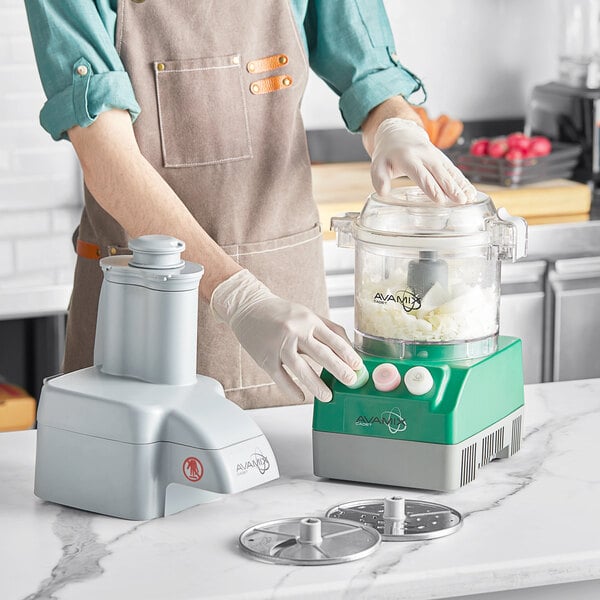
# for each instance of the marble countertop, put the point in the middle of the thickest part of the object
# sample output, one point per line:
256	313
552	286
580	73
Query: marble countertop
530	521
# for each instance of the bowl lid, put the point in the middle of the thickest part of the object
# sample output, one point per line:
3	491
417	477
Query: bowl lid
409	212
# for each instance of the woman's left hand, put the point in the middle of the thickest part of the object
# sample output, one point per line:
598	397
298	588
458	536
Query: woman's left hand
402	147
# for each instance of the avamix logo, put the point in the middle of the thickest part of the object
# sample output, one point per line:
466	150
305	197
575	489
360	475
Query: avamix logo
405	298
391	419
257	460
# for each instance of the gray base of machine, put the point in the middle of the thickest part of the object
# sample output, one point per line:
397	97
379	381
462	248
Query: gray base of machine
401	463
136	450
136	481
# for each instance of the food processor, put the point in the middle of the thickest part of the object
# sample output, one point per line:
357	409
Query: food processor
441	393
139	434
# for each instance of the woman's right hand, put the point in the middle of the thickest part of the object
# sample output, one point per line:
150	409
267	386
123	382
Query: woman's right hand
284	337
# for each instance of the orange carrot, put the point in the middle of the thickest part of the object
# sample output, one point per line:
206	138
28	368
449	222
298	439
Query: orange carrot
449	134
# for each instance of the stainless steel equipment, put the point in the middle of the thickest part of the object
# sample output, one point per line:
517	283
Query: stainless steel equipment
401	520
579	54
568	110
575	295
309	541
569	114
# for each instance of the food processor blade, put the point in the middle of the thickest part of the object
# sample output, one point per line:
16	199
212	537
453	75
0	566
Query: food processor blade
401	520
309	541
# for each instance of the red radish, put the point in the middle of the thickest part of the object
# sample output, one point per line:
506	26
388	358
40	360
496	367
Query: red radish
519	141
497	147
479	147
514	155
540	146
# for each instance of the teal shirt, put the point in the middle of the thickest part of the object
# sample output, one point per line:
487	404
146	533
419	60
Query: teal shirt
349	44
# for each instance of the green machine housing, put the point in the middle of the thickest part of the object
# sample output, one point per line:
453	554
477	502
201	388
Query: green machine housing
437	441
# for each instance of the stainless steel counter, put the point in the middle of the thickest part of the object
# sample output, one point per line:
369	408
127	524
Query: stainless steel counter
34	301
565	240
32	327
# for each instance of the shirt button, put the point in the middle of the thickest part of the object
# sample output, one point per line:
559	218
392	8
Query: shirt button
251	67
255	88
235	60
283	59
160	67
287	81
82	70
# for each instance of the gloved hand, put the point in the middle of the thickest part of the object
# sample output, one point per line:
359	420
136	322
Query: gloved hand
402	147
277	334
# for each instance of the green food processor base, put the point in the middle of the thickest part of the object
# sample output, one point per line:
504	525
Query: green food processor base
437	441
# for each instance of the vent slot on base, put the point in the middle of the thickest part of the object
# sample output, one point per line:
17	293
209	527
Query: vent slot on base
515	444
491	446
468	466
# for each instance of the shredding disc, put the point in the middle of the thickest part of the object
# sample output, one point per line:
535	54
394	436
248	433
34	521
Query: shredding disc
309	541
400	520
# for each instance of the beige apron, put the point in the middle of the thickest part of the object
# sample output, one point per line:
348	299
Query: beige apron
220	85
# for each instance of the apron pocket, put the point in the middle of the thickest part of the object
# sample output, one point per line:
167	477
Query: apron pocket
202	111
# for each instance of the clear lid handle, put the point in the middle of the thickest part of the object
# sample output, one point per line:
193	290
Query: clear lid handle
342	225
509	235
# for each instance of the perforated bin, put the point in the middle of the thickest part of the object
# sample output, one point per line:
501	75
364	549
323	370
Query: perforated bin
560	163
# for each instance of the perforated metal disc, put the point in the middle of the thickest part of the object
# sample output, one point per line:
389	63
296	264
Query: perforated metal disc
309	541
423	520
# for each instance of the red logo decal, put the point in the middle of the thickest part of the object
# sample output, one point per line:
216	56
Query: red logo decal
193	469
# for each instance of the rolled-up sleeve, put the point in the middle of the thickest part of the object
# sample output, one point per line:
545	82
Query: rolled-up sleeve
351	47
80	69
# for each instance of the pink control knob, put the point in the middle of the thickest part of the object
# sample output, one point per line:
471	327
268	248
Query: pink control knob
386	377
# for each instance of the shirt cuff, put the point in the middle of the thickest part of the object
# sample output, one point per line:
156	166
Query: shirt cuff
377	87
89	95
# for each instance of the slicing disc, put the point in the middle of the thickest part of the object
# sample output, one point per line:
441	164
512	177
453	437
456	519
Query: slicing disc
309	541
421	520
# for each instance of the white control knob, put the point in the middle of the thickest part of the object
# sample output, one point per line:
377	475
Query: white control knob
418	381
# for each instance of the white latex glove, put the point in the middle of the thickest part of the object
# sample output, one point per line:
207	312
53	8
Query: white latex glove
402	147
277	334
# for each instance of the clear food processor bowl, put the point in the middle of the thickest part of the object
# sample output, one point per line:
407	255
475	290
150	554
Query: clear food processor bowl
427	280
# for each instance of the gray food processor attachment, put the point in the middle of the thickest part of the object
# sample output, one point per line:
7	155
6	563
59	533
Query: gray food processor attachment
140	434
425	272
309	541
401	520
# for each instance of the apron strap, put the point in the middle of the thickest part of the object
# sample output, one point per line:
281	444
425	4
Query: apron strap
87	250
94	252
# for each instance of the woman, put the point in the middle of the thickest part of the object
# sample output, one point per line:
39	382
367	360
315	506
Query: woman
186	120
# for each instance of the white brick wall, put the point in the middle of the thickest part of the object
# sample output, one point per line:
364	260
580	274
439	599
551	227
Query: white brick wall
40	182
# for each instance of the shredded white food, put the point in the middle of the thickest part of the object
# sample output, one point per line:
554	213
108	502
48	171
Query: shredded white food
461	312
